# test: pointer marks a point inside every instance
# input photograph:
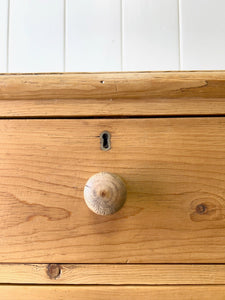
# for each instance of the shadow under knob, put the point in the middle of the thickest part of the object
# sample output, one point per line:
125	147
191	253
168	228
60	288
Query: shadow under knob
105	193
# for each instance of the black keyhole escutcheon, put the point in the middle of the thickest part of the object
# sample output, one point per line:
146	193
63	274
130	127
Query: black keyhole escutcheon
105	141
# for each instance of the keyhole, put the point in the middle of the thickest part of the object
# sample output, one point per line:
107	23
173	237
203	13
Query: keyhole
105	141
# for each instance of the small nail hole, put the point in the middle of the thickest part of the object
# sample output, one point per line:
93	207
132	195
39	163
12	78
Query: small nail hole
105	141
102	81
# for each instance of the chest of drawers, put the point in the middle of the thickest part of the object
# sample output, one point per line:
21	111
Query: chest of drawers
162	136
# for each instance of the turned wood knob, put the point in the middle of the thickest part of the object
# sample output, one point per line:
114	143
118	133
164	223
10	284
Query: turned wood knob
105	193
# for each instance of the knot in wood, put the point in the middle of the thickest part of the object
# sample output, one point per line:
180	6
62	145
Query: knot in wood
201	209
53	271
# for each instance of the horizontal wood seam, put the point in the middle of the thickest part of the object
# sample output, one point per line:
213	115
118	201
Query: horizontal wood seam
109	117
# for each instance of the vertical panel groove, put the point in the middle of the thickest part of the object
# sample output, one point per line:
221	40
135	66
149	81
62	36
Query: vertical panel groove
64	37
121	32
4	4
180	36
179	31
7	51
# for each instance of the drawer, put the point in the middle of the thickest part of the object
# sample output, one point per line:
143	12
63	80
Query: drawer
174	171
113	292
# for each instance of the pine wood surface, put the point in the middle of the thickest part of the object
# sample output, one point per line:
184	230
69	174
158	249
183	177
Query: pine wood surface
203	292
113	274
112	94
173	170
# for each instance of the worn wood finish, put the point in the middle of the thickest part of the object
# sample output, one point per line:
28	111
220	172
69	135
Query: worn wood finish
202	292
174	172
114	274
113	94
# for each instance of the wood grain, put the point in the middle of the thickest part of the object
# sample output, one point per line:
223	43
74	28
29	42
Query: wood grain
202	292
113	94
112	274
174	173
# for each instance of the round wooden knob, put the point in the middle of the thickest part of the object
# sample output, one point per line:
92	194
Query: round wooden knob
105	193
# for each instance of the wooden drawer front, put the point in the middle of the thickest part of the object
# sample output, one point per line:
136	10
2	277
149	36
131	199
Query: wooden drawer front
112	292
174	169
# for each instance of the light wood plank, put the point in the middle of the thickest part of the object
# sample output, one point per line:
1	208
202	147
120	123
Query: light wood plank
150	35
113	94
112	274
93	35
3	34
173	169
36	36
202	30
112	292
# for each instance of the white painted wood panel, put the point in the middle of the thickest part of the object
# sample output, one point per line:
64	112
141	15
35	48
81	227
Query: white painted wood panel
36	35
150	35
111	35
93	35
3	35
202	29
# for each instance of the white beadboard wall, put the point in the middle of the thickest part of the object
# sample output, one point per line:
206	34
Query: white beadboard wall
111	35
